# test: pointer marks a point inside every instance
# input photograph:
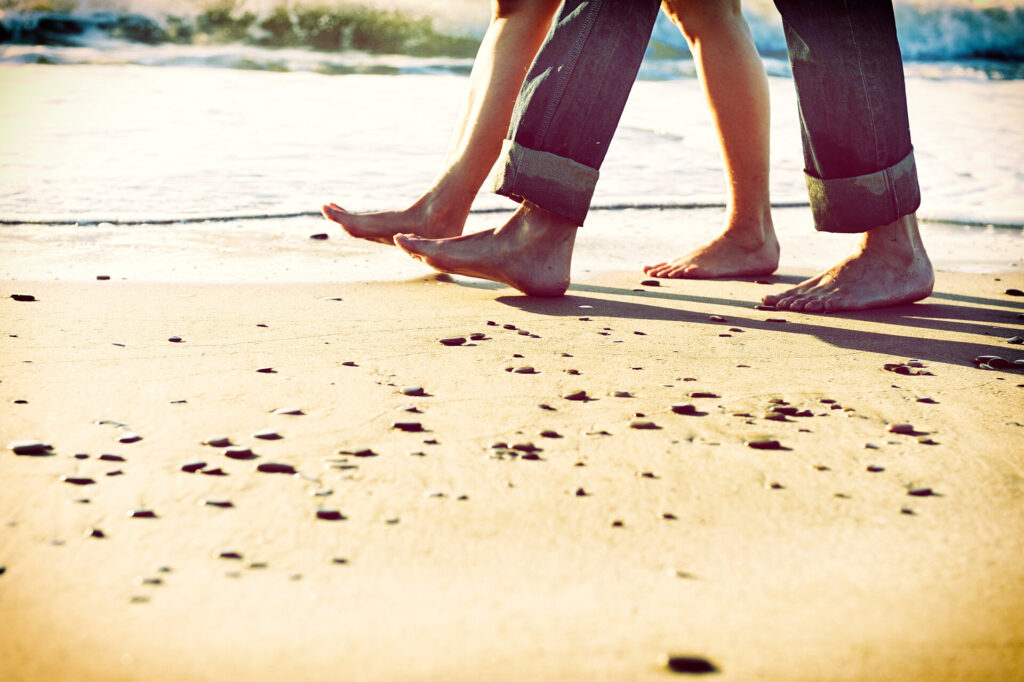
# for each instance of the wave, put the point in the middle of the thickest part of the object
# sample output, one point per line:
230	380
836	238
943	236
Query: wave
64	33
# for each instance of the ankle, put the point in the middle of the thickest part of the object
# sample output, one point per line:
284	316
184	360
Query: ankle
750	229
899	240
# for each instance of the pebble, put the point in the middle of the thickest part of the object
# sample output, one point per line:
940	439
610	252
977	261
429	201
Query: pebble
874	468
81	455
218	442
763	444
129	438
509	326
684	408
116	472
1008	292
548	433
576	395
192	467
622	394
223	504
318	235
239	452
920	492
643	424
329	515
408	426
477	336
216	471
525	370
776	486
453	341
650	283
341	561
103	278
77	480
617	523
267	370
229	555
276	468
111	458
905	429
777	320
34	448
1015	340
928	401
142	514
926	440
991	362
703	394
648	474
412	390
96	533
349	363
267	434
693	665
580	492
408	408
492	323
23	297
547	407
289	410
907	510
716	318
761	306
175	339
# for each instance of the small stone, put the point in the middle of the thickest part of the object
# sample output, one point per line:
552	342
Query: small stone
622	394
129	438
906	429
874	468
77	480
142	514
32	448
927	401
23	297
257	565
993	361
920	492
294	411
111	458
544	406
617	523
453	341
776	320
236	556
216	471
573	372
362	452
647	474
1008	292
478	336
669	516
684	408
643	424
267	434
926	440
96	533
776	486
276	468
329	515
763	443
223	504
411	427
703	394
267	370
716	318
349	363
510	327
580	492
523	332
102	278
319	235
693	665
907	510
1015	340
548	433
412	390
239	452
80	455
650	283
761	306
116	472
525	370
175	339
192	467
576	395
218	442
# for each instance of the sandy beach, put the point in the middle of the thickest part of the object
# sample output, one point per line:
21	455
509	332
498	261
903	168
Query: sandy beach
502	525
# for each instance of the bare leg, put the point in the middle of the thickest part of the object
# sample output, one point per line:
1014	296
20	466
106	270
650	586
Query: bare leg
513	37
888	268
736	89
532	252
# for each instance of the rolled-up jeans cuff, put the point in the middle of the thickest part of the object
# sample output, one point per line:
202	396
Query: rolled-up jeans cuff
553	182
864	202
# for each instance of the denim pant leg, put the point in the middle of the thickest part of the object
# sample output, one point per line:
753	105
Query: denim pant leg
858	160
571	102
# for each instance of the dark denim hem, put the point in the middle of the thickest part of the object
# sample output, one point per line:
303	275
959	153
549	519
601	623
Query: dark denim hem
864	202
553	182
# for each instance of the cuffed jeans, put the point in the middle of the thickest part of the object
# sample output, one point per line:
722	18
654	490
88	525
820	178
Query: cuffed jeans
858	159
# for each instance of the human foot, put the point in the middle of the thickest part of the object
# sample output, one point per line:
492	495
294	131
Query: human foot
430	217
532	252
890	267
742	250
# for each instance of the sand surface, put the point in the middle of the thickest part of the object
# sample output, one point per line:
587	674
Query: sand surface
456	560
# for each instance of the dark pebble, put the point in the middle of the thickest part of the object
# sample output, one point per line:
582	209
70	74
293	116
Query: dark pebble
764	444
617	524
576	395
1008	292
548	433
239	452
223	504
907	510
412	390
111	458
218	442
905	429
684	408
129	438
777	320
453	341
1015	340
580	492
761	306
509	326
928	401
116	472
669	516
364	452
142	514
216	471
77	480
693	665
874	468
32	448
96	533
267	434
703	394
650	283
80	455
175	339
920	492
546	407
318	235
524	370
291	411
643	425
776	486
716	318
229	555
329	515
477	336
341	561
408	426
23	297
21	402
530	456
267	370
492	323
276	468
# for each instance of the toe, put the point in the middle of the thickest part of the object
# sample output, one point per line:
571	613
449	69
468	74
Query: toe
814	305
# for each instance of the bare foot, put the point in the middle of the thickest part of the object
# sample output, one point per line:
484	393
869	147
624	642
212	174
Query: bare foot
742	250
890	267
432	216
532	252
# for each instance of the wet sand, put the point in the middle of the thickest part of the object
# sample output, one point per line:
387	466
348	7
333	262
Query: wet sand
492	527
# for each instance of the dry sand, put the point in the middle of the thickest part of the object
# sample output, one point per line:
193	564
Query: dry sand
793	564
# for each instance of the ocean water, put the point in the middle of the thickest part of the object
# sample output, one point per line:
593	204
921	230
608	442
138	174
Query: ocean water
101	128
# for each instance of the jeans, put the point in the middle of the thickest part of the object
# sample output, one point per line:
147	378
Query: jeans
858	159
